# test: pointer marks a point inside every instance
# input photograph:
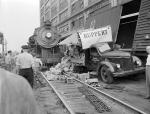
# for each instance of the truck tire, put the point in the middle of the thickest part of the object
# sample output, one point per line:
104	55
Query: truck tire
106	74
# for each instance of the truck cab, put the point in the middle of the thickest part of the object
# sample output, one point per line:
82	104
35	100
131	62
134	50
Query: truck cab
109	63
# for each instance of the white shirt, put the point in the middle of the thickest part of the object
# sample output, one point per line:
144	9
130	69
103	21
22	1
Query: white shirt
37	62
25	60
148	60
8	59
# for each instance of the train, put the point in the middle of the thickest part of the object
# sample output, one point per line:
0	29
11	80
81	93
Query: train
44	44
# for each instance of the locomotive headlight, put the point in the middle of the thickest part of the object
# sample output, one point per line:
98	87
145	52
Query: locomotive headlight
48	35
118	66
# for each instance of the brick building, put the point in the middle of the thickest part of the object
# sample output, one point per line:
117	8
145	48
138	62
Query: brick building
70	15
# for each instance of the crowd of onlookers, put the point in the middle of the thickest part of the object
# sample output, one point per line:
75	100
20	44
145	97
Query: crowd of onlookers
9	61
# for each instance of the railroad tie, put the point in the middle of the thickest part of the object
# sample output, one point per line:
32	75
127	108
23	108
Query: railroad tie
99	105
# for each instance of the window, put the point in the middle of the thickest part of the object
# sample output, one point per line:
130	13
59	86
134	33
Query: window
64	29
77	6
81	22
42	12
91	1
42	2
81	4
73	8
63	4
47	7
47	15
54	21
128	24
63	15
54	11
73	25
53	1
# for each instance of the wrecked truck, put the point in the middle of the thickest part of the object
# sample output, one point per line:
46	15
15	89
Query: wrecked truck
105	58
111	63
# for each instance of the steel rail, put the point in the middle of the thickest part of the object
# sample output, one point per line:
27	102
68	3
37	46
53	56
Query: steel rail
112	98
60	97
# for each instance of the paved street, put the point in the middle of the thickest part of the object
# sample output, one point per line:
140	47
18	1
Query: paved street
129	89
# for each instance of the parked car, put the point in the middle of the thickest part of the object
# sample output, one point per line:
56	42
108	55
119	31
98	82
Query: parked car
110	63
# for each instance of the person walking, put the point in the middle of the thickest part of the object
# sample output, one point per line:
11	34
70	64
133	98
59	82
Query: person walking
148	73
8	59
37	62
25	65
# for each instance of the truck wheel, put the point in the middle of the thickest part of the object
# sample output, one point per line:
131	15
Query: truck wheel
106	74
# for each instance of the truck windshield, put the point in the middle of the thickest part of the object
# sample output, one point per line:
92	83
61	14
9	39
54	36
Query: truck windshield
103	47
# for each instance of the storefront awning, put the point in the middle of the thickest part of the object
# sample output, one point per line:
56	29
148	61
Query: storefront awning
72	39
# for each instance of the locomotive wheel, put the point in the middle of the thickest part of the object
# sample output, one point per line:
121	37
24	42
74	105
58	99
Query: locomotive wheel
106	74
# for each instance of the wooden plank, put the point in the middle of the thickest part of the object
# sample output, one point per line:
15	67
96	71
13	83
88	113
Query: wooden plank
143	25
143	21
144	17
143	28
145	4
142	41
142	32
140	35
145	10
139	38
146	26
141	45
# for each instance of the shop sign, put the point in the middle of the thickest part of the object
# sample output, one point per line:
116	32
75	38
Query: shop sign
91	37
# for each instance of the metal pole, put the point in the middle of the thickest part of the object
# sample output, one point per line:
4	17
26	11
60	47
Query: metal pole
3	47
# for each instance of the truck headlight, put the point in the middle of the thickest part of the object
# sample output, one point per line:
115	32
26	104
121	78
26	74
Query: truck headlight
118	66
138	63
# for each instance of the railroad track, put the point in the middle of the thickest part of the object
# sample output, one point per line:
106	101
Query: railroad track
81	98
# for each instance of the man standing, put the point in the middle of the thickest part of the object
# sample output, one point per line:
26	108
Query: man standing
148	73
25	65
37	62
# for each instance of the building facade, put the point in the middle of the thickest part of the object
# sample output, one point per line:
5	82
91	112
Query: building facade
70	15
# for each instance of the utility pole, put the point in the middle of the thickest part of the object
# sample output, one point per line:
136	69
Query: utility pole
2	42
5	45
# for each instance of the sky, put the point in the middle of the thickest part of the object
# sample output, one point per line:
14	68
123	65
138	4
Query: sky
18	19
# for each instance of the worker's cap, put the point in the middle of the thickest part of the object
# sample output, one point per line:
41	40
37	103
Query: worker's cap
24	47
9	51
147	47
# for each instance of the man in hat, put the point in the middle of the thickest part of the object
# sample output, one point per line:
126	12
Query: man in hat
25	65
148	73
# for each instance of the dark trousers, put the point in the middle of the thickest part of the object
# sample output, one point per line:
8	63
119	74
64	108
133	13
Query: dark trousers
27	74
148	80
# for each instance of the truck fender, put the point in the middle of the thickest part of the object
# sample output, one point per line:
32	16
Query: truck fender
107	64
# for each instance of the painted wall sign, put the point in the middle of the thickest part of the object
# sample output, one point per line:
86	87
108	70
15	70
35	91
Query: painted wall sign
88	38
